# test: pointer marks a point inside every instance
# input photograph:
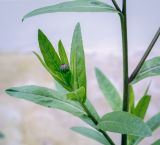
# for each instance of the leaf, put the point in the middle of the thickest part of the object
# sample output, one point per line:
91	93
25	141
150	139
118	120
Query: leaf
147	89
157	142
73	6
140	110
87	120
77	95
77	60
49	54
46	97
131	98
142	106
93	134
124	123
58	78
109	91
60	89
92	110
52	61
150	68
153	124
62	53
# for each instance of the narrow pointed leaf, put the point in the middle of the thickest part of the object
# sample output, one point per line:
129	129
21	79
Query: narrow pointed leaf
87	120
46	97
62	53
153	124
147	89
93	134
109	91
142	106
150	68
49	54
77	60
124	123
92	110
156	142
73	6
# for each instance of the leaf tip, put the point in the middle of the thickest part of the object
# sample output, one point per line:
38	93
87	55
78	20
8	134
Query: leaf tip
78	26
8	91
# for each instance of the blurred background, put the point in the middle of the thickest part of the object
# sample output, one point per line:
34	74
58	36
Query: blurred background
25	123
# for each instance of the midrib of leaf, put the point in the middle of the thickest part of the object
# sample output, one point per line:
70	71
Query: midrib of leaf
148	70
51	97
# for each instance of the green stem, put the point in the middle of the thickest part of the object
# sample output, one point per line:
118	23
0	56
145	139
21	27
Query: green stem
123	18
96	122
140	64
116	5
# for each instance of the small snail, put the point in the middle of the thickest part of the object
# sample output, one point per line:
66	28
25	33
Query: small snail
64	68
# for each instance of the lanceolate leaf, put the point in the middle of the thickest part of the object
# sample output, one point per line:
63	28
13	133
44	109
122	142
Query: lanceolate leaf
150	68
49	54
124	123
153	124
147	89
46	97
140	111
73	6
92	110
142	106
62	53
93	134
77	60
109	91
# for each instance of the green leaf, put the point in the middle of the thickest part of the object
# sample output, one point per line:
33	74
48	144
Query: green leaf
142	106
109	91
131	98
59	88
58	77
153	124
140	111
147	89
49	54
73	6
156	142
124	123
93	134
77	95
87	120
92	110
52	61
62	53
77	60
46	97
150	68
